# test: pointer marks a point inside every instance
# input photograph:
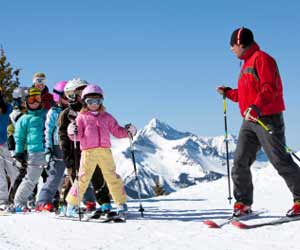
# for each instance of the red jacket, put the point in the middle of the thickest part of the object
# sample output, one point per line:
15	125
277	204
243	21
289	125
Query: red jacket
259	83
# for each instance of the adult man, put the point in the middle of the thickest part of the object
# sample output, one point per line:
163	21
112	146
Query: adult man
260	96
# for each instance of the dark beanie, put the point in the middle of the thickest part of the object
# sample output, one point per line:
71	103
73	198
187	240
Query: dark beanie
242	36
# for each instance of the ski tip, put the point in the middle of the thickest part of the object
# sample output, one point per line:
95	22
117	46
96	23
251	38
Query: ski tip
239	224
211	224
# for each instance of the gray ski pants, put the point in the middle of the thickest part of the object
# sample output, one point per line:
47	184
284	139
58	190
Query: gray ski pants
35	167
7	168
251	138
55	177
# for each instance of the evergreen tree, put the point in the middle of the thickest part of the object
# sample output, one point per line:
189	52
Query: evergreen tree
9	78
158	190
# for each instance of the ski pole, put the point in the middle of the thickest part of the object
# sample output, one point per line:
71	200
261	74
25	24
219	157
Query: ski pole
18	165
77	174
135	171
226	142
269	131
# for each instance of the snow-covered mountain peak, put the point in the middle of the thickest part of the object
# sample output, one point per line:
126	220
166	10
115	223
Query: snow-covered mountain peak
177	159
155	126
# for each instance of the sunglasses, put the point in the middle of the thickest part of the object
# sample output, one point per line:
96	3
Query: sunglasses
91	101
33	99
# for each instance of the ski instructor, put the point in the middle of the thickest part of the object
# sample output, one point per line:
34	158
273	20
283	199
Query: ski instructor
260	96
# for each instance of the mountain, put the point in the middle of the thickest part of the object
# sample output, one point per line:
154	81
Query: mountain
172	158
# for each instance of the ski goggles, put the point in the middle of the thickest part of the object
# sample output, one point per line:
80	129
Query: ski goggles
34	98
39	80
71	94
93	101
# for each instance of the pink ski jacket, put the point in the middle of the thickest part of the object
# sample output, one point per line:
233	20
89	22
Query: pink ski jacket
94	130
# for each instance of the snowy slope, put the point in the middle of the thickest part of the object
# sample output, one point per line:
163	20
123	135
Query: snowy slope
175	159
171	222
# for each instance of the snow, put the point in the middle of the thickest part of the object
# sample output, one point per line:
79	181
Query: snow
170	222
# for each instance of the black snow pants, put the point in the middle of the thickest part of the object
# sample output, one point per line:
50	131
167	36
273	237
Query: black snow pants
251	138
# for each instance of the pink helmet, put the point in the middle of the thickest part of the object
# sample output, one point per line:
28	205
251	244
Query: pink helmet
58	90
91	89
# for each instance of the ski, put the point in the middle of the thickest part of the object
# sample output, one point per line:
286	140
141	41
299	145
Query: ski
278	221
111	217
5	213
101	217
230	219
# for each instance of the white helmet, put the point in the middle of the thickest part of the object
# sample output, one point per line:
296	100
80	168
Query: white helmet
20	92
72	85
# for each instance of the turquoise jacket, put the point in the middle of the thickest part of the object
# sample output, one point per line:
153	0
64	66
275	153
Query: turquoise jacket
51	131
29	131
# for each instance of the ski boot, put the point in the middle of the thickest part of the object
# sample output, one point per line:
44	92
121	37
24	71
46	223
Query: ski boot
73	211
48	207
105	209
39	207
122	210
44	207
90	206
240	209
18	209
295	210
3	206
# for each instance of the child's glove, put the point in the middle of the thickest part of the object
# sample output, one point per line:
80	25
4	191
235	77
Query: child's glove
131	129
48	155
20	157
72	129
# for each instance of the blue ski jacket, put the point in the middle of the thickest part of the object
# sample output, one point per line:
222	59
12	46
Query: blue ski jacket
51	127
4	120
29	131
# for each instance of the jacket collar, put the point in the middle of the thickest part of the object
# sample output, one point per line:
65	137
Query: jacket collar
250	51
34	112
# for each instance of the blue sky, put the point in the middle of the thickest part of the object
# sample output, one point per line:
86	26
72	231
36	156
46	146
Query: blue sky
154	58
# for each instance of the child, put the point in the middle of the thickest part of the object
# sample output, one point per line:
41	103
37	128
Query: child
30	131
93	127
73	91
54	158
6	163
19	108
39	82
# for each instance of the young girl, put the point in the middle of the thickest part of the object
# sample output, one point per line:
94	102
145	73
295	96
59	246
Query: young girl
6	166
93	127
98	190
54	158
19	108
29	131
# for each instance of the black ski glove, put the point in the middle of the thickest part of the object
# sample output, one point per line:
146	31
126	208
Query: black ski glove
20	157
49	155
